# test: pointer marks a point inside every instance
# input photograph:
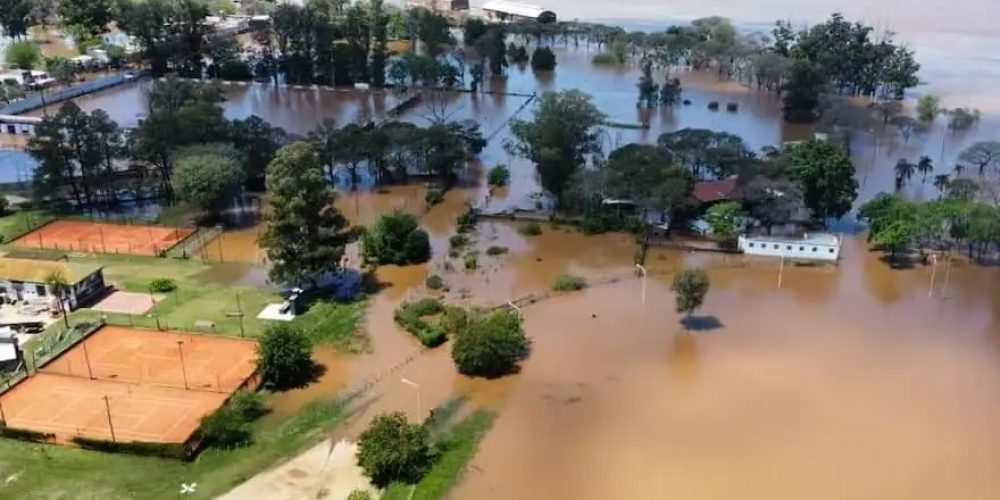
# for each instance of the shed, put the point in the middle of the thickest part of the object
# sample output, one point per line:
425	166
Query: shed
26	279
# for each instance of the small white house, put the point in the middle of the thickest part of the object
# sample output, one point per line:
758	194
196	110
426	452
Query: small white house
821	247
26	280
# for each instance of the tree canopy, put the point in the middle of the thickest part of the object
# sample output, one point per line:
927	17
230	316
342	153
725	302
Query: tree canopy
560	138
826	176
490	345
690	287
396	238
284	356
208	176
305	234
394	450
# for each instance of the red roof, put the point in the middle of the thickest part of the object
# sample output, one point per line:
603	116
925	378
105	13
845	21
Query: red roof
709	191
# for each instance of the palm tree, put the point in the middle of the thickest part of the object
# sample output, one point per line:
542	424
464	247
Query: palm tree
904	172
941	182
58	286
925	167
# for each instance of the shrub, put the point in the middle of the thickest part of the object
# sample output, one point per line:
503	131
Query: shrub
458	241
394	450
602	221
471	262
467	220
249	405
604	58
454	253
418	246
732	107
434	282
225	428
495	250
517	54
531	229
490	345
543	59
396	239
714	105
162	450
433	197
499	176
23	55
569	283
284	356
162	285
454	319
360	495
410	316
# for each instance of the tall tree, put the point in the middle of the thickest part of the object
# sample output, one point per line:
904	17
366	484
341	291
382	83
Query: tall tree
645	175
208	176
983	155
705	152
88	18
305	234
904	172
379	21
826	176
560	138
15	17
690	287
257	141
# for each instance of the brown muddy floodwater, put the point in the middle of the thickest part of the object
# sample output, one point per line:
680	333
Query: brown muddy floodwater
846	383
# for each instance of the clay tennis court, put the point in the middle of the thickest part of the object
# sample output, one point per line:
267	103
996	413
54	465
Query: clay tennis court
102	237
151	395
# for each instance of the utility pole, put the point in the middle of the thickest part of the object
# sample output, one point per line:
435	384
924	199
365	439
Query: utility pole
930	290
781	269
86	357
111	426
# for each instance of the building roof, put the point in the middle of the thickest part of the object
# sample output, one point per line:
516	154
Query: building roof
709	191
810	238
36	271
514	8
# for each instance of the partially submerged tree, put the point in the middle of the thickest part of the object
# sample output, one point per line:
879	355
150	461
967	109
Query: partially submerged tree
396	238
208	176
690	287
826	176
772	201
560	138
490	345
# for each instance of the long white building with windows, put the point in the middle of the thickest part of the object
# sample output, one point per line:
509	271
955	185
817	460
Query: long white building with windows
821	247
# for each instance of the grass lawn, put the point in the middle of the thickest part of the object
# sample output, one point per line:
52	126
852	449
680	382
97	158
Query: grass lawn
21	222
458	443
35	471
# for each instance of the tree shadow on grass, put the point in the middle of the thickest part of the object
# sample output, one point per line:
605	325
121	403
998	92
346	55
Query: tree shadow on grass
701	323
309	375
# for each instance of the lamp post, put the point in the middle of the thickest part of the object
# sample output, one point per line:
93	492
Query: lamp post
416	386
643	271
183	369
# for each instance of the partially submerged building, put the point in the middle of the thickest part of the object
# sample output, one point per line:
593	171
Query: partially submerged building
503	10
821	247
28	280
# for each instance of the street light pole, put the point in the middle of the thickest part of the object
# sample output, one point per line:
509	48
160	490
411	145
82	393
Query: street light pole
781	269
111	426
643	271
930	290
183	369
416	386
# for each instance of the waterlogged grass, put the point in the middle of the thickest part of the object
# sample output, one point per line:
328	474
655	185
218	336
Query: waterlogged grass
32	471
336	324
458	445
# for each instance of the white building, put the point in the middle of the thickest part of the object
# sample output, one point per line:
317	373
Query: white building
502	10
26	280
821	247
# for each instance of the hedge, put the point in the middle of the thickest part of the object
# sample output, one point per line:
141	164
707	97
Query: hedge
410	316
162	450
26	435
